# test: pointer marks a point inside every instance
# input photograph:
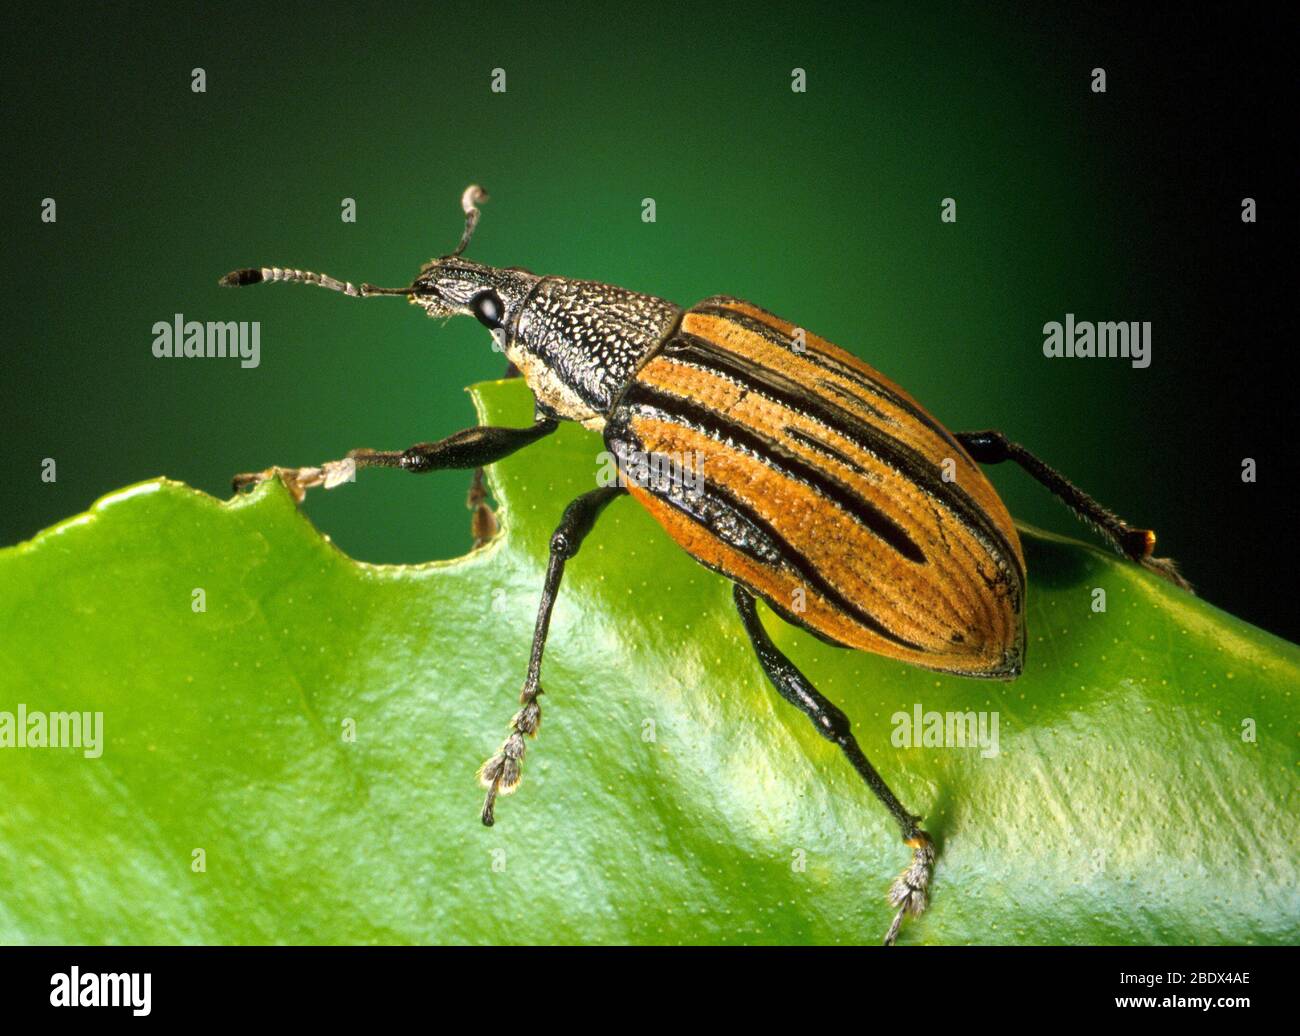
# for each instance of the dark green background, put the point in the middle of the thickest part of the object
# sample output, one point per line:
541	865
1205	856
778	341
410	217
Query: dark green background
823	207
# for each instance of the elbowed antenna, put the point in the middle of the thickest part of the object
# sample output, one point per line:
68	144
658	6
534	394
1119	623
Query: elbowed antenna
256	275
470	199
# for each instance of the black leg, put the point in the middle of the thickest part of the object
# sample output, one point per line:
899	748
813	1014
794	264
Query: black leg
1136	544
471	448
909	890
500	774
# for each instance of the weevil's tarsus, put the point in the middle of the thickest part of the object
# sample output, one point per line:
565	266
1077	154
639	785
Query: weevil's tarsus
1167	568
991	447
469	202
909	892
299	480
501	773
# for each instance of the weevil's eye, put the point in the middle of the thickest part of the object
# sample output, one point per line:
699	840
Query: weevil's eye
486	307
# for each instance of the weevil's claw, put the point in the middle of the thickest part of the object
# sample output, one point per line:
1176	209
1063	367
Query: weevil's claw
910	890
296	480
1167	568
246	479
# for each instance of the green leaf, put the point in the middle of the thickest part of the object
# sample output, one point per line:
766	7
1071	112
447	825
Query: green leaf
670	797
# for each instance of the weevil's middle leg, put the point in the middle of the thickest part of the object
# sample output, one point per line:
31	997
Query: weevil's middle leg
500	775
910	891
1136	544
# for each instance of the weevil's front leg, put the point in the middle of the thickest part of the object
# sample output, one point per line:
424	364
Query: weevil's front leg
500	774
1135	544
910	890
471	448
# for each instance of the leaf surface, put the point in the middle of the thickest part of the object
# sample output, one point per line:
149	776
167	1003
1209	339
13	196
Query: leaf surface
670	797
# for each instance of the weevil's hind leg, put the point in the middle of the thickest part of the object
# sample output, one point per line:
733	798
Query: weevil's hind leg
470	448
500	775
483	520
910	891
1136	544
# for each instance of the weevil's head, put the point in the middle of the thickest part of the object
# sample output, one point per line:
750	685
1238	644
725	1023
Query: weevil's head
455	286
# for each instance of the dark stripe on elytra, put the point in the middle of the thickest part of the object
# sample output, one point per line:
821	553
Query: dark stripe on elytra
774	455
776	387
830	363
827	450
839	390
712	493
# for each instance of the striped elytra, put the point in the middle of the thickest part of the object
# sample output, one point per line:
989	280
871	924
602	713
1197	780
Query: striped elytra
825	489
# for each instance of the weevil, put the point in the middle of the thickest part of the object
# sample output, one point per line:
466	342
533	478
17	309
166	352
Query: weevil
821	487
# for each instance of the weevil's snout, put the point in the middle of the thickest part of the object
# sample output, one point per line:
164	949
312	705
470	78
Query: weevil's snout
426	294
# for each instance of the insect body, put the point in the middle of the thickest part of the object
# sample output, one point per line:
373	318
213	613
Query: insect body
819	485
824	483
